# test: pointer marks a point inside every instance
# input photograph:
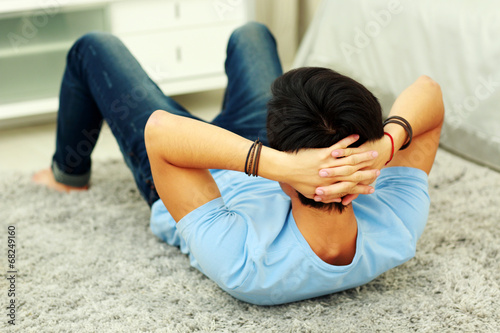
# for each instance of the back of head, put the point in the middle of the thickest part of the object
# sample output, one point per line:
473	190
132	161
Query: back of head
316	107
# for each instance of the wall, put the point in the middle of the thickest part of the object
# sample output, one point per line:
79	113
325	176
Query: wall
288	20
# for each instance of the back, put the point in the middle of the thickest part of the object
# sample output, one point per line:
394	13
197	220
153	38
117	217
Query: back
259	255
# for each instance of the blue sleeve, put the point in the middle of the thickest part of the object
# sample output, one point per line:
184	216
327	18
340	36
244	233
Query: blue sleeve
405	190
216	237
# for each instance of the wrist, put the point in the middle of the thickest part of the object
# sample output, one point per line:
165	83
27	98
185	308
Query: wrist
384	148
274	164
398	134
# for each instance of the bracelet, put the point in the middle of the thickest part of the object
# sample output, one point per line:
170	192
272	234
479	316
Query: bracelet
403	123
257	160
248	156
253	159
392	150
406	123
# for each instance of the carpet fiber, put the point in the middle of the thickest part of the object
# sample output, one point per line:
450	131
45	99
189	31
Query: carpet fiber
87	262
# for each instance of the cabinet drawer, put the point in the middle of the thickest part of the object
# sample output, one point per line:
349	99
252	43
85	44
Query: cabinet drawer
178	54
151	15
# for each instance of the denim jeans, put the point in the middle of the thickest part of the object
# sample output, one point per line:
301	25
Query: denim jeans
103	81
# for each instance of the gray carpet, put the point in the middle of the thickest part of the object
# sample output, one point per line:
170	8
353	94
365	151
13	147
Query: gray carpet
88	263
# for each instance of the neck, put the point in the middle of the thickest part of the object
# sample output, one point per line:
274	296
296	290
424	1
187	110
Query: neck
330	234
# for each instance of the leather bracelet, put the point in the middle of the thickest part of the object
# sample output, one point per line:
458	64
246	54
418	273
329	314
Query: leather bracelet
253	158
248	158
257	160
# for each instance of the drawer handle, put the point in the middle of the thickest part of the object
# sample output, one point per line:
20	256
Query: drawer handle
178	53
177	10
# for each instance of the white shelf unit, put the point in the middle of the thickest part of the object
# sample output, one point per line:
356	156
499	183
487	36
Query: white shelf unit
180	43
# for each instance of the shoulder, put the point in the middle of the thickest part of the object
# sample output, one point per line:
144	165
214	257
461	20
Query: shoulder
400	204
401	175
399	189
405	191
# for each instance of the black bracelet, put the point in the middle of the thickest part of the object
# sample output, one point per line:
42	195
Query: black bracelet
248	156
403	123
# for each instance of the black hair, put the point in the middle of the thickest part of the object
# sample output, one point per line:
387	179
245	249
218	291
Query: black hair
314	107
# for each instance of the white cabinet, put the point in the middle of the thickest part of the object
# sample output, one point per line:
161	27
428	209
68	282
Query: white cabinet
34	41
180	43
183	48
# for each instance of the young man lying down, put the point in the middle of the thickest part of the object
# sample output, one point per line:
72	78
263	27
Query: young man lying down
272	199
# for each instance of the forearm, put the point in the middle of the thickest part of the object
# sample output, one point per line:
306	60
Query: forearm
421	104
175	142
188	143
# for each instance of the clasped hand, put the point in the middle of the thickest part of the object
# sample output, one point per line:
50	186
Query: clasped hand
337	173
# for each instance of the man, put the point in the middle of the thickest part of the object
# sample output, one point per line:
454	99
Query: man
283	236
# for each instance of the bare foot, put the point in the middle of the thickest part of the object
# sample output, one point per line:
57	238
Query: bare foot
46	178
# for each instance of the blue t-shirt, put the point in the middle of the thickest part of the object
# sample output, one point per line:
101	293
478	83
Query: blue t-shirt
248	243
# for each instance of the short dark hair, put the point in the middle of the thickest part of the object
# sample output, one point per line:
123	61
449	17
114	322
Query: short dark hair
314	107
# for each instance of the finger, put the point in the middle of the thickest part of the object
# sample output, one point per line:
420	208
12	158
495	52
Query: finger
318	198
352	156
333	191
345	169
344	152
341	189
362	189
371	180
360	176
346	142
355	159
349	198
339	173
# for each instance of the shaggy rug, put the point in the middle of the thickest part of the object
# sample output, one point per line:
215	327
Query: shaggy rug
87	262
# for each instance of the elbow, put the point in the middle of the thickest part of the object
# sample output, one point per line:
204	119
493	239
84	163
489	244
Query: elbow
424	79
430	85
154	126
434	90
155	120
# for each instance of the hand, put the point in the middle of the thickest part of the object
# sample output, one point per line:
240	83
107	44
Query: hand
355	161
311	169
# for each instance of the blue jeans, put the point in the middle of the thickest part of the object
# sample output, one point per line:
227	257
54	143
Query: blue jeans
103	81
